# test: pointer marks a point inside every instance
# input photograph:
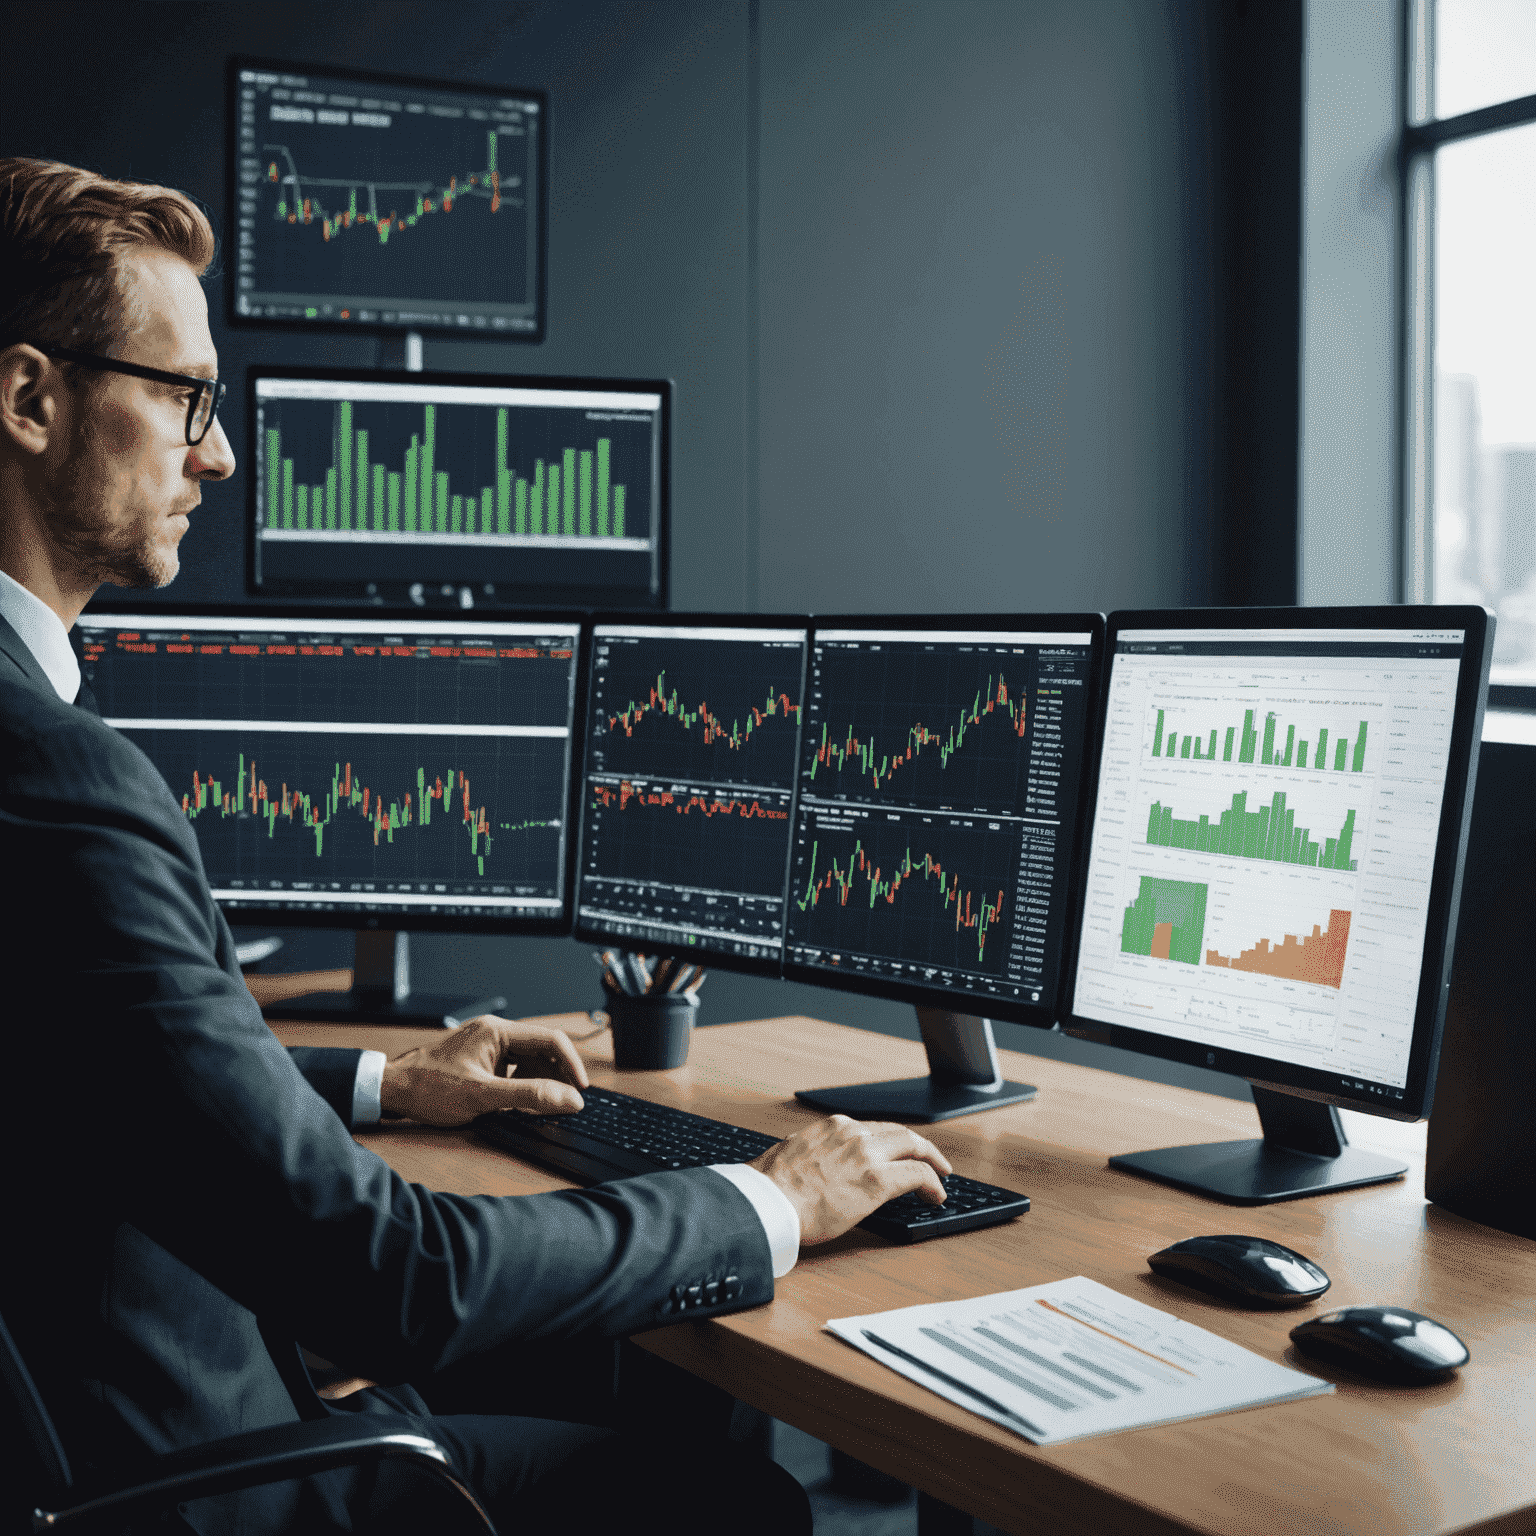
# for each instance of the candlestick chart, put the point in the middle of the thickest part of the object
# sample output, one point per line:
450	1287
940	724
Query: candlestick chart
927	891
717	712
660	833
349	207
296	809
918	726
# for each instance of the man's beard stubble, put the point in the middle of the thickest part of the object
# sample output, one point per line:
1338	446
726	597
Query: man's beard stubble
102	548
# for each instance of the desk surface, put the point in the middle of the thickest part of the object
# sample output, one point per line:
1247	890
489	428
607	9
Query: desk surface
1446	1458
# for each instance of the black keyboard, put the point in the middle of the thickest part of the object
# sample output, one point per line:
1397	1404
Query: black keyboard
616	1135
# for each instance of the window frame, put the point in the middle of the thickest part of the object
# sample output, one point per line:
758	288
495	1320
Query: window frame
1422	135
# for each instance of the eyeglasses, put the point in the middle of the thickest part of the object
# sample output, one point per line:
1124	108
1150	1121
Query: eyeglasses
207	394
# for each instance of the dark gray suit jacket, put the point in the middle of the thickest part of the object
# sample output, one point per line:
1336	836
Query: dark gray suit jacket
172	1172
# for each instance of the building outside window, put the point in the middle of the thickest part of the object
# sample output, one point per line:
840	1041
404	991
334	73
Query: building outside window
1469	164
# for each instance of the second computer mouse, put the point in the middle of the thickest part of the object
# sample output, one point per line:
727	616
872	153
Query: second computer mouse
1390	1343
1251	1271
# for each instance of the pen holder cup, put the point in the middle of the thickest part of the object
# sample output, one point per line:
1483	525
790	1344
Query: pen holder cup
650	1034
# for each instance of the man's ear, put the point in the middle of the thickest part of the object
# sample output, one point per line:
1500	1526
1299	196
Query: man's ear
29	391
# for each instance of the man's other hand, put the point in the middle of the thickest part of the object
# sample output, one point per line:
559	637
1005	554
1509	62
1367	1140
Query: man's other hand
486	1064
837	1171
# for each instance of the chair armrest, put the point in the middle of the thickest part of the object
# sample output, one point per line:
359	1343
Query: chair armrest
271	1455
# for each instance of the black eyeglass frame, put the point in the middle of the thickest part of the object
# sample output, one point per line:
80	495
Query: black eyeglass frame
137	370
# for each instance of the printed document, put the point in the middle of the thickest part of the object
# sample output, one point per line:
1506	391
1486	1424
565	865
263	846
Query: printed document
1072	1358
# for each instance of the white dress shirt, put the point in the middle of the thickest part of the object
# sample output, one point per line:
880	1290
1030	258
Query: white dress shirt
43	633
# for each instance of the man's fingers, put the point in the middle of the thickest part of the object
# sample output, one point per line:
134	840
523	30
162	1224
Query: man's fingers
886	1140
538	1095
519	1044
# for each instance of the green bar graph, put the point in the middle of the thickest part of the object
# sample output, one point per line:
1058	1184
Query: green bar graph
1166	921
1265	749
573	495
363	479
1268	833
343	461
603	448
428	451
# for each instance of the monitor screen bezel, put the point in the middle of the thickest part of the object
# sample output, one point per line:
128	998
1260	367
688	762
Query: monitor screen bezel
278	915
286	592
1445	880
710	959
1041	1015
407	82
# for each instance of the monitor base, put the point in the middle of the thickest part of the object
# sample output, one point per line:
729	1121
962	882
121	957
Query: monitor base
1303	1151
963	1077
416	1010
381	992
1258	1173
913	1098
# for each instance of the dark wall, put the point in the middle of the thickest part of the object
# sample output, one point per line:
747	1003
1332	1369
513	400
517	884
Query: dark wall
939	286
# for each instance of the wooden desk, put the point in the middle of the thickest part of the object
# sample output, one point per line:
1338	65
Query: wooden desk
1455	1457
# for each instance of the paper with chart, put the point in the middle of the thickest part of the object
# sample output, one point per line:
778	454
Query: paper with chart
1071	1358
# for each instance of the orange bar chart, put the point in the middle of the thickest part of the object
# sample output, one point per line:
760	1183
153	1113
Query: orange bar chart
1317	958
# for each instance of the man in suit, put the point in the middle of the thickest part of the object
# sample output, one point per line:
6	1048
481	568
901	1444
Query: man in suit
186	1199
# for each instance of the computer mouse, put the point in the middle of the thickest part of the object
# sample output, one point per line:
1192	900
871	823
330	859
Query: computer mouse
1252	1271
1390	1343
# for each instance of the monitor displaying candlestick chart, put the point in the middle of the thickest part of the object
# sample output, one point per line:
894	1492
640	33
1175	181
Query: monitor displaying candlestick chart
1274	843
339	768
693	732
373	202
472	490
938	805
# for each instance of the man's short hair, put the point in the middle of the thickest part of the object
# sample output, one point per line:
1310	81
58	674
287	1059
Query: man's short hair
61	233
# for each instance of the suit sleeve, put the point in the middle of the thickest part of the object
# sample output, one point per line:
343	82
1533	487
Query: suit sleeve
331	1073
228	1158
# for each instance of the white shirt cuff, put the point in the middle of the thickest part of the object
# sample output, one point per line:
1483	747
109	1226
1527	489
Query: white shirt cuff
781	1225
368	1090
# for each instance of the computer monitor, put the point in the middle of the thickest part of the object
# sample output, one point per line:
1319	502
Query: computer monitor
1271	881
384	774
939	802
692	731
381	203
469	490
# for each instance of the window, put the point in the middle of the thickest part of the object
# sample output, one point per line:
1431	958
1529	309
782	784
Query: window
1469	163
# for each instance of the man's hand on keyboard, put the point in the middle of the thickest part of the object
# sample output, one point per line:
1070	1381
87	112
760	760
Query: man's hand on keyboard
488	1063
837	1171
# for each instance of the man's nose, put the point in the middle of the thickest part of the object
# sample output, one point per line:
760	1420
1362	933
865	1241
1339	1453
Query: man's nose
213	458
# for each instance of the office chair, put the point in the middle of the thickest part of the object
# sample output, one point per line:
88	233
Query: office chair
40	1472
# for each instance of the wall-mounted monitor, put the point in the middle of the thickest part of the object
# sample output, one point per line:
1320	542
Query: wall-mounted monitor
382	203
470	489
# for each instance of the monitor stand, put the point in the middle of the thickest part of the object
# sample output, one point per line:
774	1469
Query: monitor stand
1304	1151
381	992
963	1077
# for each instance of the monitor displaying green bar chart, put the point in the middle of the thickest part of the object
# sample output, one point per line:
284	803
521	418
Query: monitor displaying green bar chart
474	490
